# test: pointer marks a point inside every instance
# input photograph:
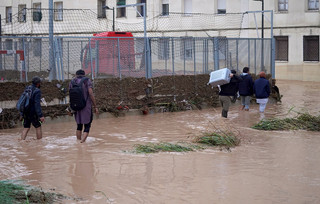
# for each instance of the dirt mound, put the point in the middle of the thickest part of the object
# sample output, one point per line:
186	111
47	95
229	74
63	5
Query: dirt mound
175	93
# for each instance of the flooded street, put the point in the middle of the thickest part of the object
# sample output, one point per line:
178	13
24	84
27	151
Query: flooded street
267	167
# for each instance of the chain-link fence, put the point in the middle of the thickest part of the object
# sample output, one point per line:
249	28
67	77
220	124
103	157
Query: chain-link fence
103	57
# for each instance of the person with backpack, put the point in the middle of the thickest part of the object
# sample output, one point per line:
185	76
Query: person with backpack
30	108
81	102
245	88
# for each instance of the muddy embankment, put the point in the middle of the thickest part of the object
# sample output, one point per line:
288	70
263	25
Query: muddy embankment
166	93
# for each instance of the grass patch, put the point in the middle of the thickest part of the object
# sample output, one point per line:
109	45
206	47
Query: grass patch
8	191
14	192
164	147
216	139
303	121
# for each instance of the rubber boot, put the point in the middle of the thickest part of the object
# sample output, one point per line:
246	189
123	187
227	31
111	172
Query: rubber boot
224	114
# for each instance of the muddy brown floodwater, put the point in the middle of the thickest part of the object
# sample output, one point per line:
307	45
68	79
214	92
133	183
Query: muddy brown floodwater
268	167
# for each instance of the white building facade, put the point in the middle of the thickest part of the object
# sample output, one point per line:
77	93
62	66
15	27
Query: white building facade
296	23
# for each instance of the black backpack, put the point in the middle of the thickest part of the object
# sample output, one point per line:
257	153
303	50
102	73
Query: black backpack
77	100
24	104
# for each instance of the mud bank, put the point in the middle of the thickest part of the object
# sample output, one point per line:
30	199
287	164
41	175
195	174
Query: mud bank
169	93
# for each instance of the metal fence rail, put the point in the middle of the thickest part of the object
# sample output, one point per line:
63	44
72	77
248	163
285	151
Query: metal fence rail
132	57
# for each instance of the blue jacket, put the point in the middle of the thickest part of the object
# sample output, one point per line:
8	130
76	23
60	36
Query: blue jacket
261	88
246	85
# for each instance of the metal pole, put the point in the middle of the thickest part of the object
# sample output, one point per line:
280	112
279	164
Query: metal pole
52	74
24	64
194	57
119	59
0	43
249	53
255	56
216	53
69	59
96	58
113	22
184	57
172	55
237	53
91	61
273	51
15	57
40	55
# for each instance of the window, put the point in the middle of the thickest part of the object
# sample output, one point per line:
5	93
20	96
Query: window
186	48
165	7
310	48
163	49
281	48
221	7
140	8
187	6
37	47
313	4
22	13
58	11
37	15
121	12
8	44
283	5
9	14
101	9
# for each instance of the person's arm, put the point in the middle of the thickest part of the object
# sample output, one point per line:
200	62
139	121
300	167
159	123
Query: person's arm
94	104
37	105
268	88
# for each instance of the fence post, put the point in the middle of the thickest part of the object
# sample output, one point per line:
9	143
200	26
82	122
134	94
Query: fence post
255	56
249	53
237	53
149	58
0	43
273	55
97	58
61	58
91	61
204	56
194	57
69	59
184	56
23	66
119	59
15	56
172	41
216	53
57	59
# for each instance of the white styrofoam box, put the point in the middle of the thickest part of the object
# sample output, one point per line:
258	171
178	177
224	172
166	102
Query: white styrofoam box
219	77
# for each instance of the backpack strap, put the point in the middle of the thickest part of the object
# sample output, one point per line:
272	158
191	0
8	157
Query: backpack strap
83	80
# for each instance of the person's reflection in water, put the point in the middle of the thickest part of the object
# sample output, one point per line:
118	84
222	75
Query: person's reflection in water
82	173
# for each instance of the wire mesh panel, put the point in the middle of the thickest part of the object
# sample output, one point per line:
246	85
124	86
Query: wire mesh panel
248	53
102	57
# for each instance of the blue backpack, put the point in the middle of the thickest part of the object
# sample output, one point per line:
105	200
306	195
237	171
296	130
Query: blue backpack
23	104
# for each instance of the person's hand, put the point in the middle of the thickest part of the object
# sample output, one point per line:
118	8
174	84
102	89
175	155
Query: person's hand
96	110
231	75
42	119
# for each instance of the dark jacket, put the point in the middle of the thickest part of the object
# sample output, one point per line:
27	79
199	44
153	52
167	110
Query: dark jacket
261	88
246	85
231	88
35	108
